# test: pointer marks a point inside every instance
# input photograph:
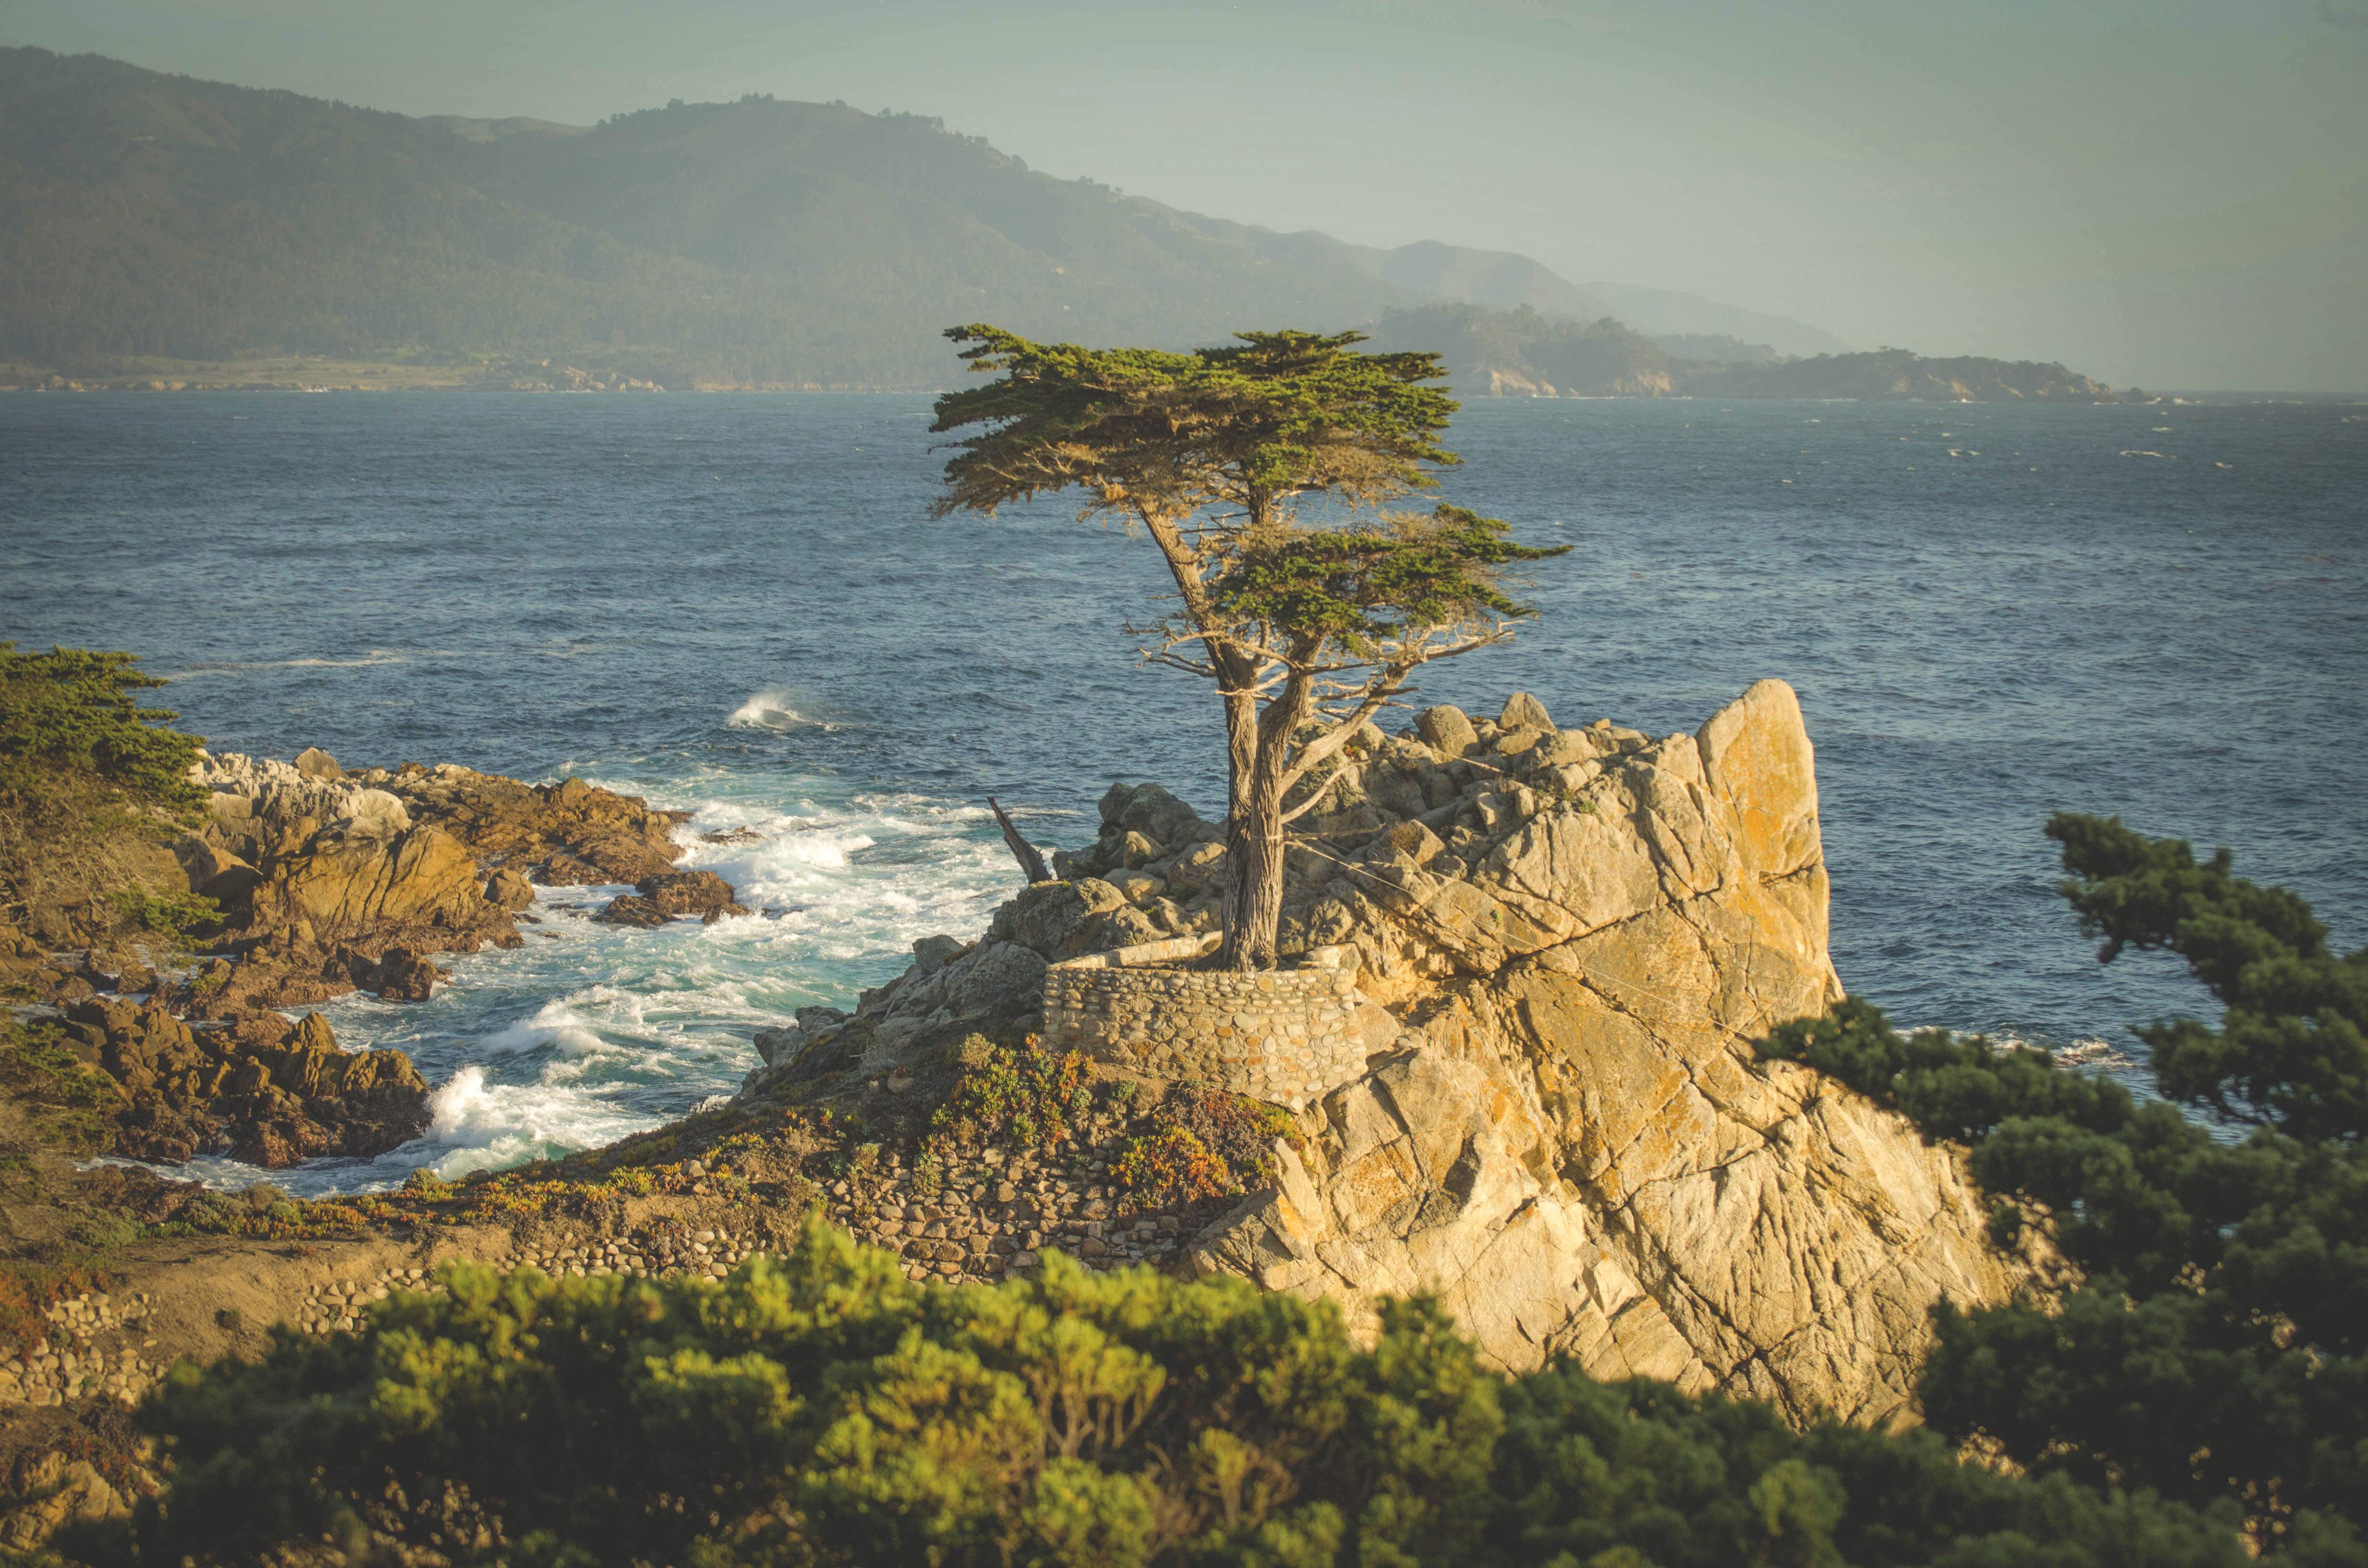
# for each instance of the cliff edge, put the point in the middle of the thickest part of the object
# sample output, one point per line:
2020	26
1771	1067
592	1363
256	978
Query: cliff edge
1566	941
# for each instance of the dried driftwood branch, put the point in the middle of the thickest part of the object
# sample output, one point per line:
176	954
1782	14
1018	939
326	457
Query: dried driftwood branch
1031	864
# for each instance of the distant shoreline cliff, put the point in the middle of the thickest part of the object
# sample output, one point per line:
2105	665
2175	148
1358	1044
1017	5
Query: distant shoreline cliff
1522	353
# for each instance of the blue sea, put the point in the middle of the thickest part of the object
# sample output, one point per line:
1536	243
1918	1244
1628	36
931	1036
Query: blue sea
736	604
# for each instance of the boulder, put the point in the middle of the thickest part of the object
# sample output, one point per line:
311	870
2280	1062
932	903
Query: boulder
1137	887
1151	811
509	889
373	814
259	1088
931	954
777	1044
702	893
1058	920
656	900
1523	711
630	909
1448	730
315	763
404	976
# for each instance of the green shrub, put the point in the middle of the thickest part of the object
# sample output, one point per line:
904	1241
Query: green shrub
175	916
73	709
1202	1143
820	1409
96	1231
1023	1095
2218	1352
69	1103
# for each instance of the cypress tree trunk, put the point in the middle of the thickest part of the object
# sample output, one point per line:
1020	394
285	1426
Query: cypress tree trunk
1254	836
1254	848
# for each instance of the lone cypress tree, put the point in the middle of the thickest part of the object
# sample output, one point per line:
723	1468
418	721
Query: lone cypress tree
1305	632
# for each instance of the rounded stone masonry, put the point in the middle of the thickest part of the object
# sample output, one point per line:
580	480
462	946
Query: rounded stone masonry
1287	1035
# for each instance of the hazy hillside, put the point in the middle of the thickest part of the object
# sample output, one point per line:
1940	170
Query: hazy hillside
142	214
1522	353
146	215
147	218
1664	312
1895	373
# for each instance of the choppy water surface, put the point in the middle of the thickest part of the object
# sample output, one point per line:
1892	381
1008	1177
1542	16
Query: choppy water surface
733	603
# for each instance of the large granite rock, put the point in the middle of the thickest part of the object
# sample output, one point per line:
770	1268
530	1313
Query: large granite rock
330	880
1565	1134
1580	933
569	834
260	1089
1414	1180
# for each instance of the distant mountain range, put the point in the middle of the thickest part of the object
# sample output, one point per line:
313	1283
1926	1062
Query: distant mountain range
148	219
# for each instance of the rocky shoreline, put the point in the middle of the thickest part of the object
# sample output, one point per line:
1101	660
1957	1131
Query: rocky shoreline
1563	943
323	883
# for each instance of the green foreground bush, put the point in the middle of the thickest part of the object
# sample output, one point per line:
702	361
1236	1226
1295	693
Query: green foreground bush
822	1409
2216	1350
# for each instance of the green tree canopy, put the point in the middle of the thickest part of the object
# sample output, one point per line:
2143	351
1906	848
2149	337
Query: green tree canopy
2214	1350
74	708
1304	630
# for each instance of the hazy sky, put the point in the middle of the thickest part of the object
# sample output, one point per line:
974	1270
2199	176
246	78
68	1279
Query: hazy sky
2162	191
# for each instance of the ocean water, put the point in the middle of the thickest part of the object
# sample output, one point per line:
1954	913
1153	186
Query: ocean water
734	604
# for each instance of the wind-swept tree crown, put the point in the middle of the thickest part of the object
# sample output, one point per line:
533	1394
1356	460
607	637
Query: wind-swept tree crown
1363	588
1274	414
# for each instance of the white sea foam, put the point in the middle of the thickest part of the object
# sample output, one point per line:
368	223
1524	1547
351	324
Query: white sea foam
771	708
2096	1053
555	1025
589	1032
480	1126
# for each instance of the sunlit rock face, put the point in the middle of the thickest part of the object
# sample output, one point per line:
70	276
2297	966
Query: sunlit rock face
1580	933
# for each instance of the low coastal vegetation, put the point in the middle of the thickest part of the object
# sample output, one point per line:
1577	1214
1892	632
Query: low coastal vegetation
824	1409
2211	1343
951	1316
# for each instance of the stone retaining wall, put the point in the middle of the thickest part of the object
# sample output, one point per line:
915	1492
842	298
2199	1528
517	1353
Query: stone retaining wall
1287	1035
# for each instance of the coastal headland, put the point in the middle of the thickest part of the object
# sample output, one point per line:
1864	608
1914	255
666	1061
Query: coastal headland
1545	952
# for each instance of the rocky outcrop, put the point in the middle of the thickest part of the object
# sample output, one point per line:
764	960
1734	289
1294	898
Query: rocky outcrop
330	880
656	900
1563	1127
59	1491
1581	932
261	1090
326	883
564	834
